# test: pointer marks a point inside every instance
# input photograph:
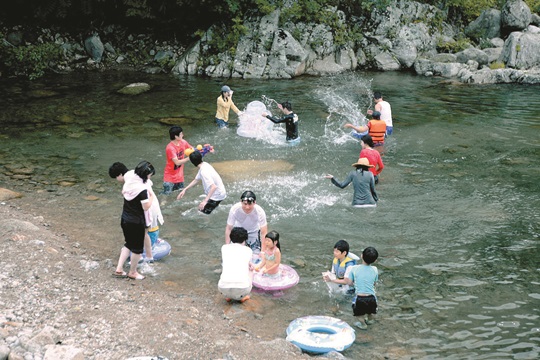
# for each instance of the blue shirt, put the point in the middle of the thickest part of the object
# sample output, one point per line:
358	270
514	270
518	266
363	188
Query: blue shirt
364	278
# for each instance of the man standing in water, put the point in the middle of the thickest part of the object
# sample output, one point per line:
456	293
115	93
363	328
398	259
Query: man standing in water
250	216
173	174
212	184
385	109
290	119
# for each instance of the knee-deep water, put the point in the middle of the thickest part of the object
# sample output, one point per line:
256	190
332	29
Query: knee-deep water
456	227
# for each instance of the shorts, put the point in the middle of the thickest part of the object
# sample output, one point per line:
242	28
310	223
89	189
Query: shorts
254	241
364	305
235	293
378	143
222	124
210	206
154	236
169	187
134	236
389	130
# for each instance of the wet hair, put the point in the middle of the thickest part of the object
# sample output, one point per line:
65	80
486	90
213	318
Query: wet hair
377	95
368	140
274	236
376	115
143	169
287	105
238	235
195	158
247	195
116	169
175	131
369	255
342	246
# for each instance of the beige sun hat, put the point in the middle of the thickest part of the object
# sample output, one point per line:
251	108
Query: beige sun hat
363	162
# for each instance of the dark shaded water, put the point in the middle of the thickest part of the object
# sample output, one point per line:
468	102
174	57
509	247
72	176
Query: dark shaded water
457	224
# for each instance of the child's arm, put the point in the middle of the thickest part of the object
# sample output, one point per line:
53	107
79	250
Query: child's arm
260	265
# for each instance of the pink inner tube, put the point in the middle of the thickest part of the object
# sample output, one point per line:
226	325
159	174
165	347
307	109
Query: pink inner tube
287	279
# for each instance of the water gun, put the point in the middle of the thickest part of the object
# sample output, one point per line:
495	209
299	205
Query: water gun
203	149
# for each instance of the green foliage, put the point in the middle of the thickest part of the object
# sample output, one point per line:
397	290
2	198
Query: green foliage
453	46
534	5
31	61
496	65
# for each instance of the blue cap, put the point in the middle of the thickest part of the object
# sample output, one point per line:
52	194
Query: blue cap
225	88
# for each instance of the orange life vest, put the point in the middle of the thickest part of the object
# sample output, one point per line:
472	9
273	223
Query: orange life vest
377	129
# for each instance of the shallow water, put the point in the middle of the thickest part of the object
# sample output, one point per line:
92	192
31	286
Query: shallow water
456	226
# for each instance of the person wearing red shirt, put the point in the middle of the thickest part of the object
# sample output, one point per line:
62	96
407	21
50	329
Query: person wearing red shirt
372	155
173	175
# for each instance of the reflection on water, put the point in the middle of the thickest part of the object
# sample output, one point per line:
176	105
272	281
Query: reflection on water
456	224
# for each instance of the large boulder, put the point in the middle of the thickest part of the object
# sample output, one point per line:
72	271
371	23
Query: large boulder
521	50
486	26
472	54
94	47
515	16
427	67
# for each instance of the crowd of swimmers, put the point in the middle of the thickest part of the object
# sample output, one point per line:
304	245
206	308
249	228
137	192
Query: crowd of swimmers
249	246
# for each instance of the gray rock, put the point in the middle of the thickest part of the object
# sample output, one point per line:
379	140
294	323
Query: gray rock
425	66
533	29
444	58
486	26
405	52
134	89
472	54
15	225
4	352
94	47
535	19
386	61
15	38
501	76
515	16
63	352
493	54
497	42
521	51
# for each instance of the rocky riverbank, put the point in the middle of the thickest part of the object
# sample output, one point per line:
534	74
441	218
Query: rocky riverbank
59	301
500	46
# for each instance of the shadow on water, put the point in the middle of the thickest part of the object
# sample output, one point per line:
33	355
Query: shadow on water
456	224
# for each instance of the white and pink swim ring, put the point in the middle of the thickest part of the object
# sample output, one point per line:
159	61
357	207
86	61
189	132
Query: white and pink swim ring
252	123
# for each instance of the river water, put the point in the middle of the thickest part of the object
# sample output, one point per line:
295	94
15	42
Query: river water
456	227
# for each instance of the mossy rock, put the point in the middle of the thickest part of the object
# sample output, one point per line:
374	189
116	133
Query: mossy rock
135	89
175	120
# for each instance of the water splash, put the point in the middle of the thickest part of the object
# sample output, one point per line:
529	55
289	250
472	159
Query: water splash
347	98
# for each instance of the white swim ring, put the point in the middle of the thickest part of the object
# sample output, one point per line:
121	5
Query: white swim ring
320	334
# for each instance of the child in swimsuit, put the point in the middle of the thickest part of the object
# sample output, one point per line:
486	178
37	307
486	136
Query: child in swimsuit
271	256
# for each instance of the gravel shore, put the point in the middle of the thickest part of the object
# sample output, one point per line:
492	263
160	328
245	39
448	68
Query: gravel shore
59	300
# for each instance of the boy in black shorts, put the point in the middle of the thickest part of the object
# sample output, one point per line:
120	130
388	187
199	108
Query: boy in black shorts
364	277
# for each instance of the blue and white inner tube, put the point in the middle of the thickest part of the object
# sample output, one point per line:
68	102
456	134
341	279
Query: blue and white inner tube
320	334
160	249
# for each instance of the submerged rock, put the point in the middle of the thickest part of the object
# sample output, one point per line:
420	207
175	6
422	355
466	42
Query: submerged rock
135	89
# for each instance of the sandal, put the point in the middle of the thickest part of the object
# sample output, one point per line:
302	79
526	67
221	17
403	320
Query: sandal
138	277
120	274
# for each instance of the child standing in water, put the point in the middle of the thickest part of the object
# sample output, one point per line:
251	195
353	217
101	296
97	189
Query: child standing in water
271	255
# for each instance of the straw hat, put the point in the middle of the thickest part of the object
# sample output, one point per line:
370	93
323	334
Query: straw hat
363	162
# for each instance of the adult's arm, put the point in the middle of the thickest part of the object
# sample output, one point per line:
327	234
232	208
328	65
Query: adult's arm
276	120
359	129
343	184
183	192
379	165
228	229
372	187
